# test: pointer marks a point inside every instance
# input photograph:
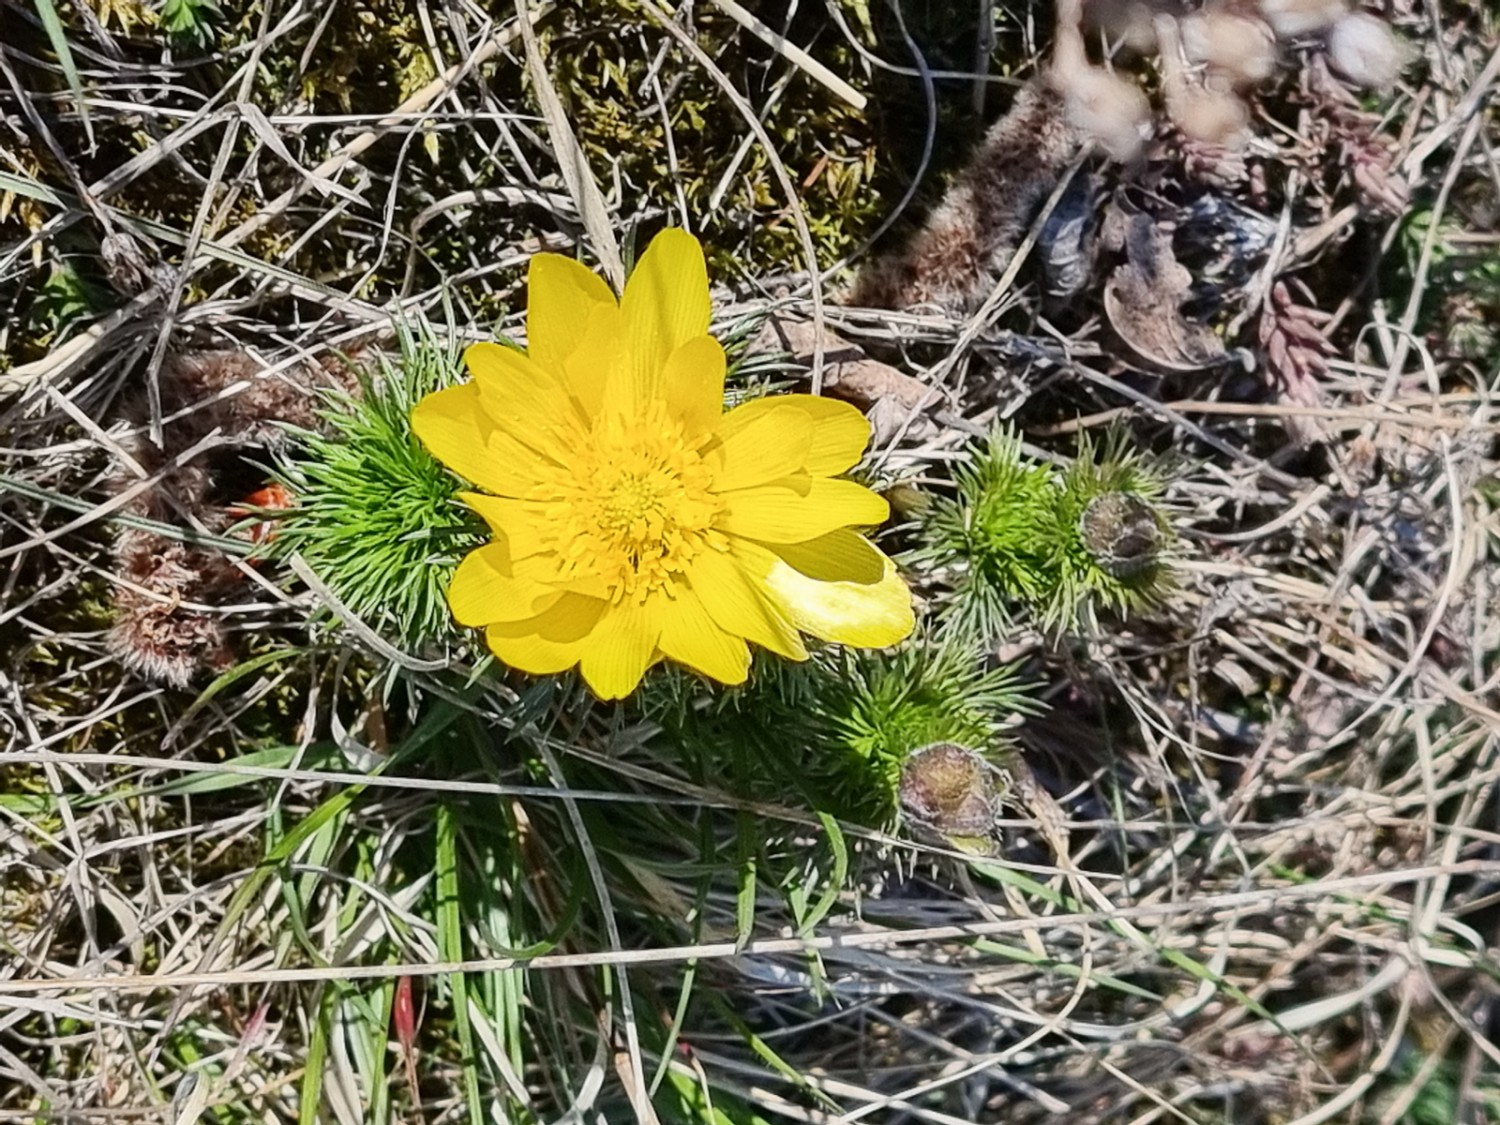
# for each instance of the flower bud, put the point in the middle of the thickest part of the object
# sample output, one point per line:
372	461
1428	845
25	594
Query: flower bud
1213	117
1364	50
1241	48
950	791
1291	19
1123	533
1107	109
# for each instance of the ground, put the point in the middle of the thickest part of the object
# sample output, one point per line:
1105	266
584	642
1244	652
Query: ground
282	843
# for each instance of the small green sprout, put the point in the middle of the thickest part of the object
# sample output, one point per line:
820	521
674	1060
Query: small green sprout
880	707
190	21
1059	545
840	727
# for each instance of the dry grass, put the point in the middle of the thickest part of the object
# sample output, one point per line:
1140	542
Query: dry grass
1278	895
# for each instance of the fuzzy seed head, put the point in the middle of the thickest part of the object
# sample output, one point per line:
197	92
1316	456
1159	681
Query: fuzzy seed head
166	643
1107	109
1215	117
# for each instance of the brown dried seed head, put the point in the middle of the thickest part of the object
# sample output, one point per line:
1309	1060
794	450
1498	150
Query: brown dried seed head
1123	533
165	643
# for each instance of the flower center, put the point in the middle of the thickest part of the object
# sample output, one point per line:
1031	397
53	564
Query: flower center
633	505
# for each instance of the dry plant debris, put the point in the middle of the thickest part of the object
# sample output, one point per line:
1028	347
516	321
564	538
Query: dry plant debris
1230	853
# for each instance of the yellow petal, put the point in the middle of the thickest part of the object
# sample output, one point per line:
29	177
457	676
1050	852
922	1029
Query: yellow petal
523	525
453	425
840	432
561	295
796	509
839	556
665	304
622	647
693	384
599	361
528	535
530	404
771	445
485	589
552	641
741	606
689	636
864	615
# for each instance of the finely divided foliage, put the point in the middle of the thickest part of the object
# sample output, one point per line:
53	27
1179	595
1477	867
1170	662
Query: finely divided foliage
372	511
1022	537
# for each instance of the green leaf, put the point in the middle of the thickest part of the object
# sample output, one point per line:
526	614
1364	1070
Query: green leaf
310	1099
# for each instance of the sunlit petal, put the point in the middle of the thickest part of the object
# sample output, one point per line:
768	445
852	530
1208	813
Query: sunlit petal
689	635
561	296
553	641
839	556
693	385
453	426
486	589
666	304
532	405
772	445
794	510
600	361
840	432
743	607
523	523
620	649
866	615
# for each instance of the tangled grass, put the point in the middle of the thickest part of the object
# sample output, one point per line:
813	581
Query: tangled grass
1249	871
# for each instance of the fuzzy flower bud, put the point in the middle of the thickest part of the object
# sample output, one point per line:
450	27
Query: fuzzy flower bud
1214	117
1364	50
1291	19
1109	110
950	791
1123	533
1241	48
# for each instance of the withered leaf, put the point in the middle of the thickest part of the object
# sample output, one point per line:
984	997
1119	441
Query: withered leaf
1144	299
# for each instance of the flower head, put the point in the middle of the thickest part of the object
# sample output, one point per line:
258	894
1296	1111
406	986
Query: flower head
634	520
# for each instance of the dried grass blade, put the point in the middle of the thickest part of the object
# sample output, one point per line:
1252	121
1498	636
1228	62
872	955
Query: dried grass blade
794	54
570	159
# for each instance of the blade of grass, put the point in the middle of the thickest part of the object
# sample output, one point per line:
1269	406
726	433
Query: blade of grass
834	885
451	946
310	1101
52	24
749	846
768	1055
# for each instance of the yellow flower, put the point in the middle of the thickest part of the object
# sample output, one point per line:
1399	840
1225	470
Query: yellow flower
634	520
